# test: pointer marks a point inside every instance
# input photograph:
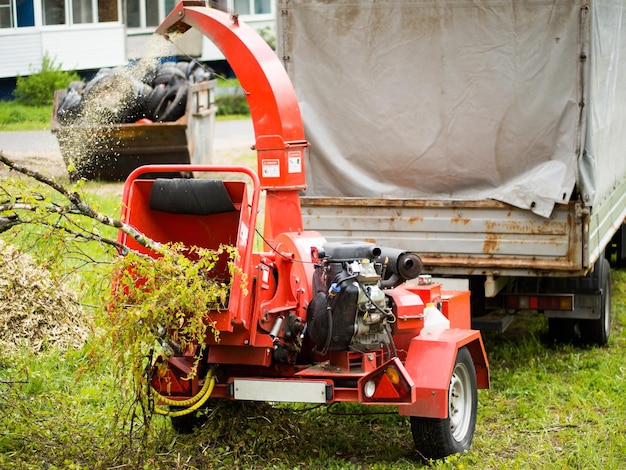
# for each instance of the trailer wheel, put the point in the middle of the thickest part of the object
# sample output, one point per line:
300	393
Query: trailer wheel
436	438
187	423
598	331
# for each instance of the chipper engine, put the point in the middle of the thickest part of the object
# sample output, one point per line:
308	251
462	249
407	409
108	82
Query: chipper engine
306	320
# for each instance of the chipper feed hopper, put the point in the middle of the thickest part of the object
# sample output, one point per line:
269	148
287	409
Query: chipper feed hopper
305	320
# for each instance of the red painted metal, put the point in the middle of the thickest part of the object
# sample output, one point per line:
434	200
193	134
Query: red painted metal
276	285
278	127
430	362
233	228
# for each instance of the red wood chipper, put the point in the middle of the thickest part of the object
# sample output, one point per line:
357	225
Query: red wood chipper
306	320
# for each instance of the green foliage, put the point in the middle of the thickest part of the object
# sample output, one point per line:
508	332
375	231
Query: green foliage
229	105
160	305
53	239
233	103
19	117
37	89
268	36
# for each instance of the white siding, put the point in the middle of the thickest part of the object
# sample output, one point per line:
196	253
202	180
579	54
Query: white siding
93	46
18	60
89	48
77	48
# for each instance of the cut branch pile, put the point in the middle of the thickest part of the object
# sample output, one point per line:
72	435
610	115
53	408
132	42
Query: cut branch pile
35	311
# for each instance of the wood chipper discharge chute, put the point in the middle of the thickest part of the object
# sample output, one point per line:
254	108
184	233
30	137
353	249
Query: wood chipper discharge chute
306	320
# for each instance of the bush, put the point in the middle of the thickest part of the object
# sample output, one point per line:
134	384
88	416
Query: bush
228	105
268	36
38	88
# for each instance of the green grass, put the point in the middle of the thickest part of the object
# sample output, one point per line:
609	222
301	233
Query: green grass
19	117
550	406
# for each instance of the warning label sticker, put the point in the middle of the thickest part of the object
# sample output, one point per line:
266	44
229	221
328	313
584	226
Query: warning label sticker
270	168
295	162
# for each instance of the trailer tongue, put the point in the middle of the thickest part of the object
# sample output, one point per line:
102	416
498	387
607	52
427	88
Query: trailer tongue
306	320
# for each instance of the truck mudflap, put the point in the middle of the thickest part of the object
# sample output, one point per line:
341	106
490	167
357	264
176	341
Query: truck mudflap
430	362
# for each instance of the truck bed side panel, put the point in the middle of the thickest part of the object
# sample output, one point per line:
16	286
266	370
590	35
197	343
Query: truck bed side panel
458	237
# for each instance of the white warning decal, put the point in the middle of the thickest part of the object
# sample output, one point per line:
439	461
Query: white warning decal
270	168
295	162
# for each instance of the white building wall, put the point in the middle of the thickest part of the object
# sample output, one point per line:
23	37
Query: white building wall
90	47
20	60
97	45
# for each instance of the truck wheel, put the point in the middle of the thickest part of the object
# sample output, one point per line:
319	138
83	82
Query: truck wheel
185	424
436	438
563	330
598	331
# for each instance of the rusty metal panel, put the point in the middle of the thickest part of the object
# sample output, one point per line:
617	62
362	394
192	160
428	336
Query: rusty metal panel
457	237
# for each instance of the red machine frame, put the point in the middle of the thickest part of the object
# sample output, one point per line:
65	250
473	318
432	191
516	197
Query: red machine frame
279	280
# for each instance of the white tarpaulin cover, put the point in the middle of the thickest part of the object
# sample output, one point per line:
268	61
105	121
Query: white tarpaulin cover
459	99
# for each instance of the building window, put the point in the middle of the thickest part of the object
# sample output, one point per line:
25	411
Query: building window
133	17
83	11
6	14
262	7
252	7
149	13
53	12
152	13
107	11
20	13
144	13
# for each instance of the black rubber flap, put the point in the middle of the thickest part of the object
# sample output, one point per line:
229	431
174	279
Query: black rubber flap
190	196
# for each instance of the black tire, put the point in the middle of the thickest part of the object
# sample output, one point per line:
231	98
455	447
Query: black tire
169	76
186	424
103	76
598	331
172	105
196	72
436	438
136	103
564	330
153	100
183	65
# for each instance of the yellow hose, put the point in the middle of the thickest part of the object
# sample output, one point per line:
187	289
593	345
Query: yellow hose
192	403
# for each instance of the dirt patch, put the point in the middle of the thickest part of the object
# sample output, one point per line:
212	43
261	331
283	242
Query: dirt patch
47	162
